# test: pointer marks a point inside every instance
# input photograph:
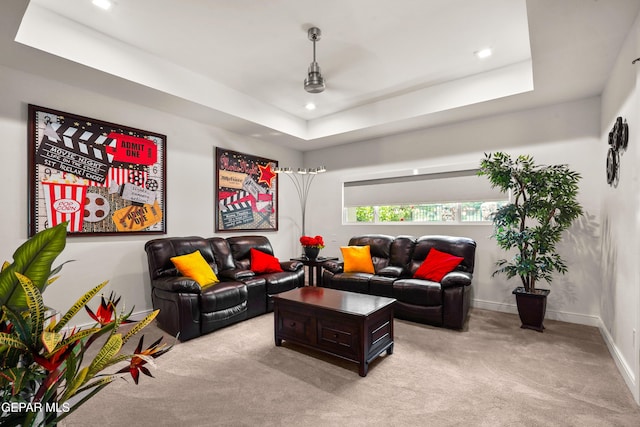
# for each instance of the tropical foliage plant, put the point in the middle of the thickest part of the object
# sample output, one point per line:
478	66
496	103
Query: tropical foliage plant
46	368
543	205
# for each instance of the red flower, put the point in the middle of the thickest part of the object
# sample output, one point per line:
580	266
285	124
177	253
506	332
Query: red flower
106	312
52	362
315	242
137	363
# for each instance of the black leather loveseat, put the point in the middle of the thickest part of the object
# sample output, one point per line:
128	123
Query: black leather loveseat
190	310
396	259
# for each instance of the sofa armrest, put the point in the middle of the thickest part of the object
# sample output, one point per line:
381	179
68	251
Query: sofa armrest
236	274
390	271
291	265
333	266
456	278
177	284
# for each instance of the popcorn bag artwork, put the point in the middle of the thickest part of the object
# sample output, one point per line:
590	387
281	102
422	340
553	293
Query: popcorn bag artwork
101	177
64	202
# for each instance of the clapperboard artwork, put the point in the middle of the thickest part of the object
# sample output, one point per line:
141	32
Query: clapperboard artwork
246	192
98	176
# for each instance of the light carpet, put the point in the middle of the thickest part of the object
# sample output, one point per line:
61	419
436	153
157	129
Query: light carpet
491	374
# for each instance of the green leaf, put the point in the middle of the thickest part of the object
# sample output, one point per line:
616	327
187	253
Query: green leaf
109	350
140	325
32	259
75	337
36	307
11	341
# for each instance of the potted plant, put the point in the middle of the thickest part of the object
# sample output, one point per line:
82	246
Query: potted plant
43	372
543	205
312	246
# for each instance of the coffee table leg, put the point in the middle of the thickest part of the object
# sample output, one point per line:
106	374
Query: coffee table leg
363	369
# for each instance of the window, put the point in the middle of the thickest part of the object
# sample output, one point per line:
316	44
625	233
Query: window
444	198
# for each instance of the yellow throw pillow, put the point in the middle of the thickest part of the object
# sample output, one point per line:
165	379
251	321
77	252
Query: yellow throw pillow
195	267
357	259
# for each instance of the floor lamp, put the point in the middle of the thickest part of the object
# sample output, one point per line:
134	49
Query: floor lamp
302	179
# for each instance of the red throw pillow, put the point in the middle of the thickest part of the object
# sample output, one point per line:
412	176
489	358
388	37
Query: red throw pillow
436	265
264	263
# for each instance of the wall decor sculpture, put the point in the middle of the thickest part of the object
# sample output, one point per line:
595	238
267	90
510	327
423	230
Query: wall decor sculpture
103	178
246	193
618	140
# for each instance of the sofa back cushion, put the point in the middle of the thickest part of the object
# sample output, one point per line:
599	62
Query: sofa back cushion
380	248
241	249
160	252
222	253
401	251
457	246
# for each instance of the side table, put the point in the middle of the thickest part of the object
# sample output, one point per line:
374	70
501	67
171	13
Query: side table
314	264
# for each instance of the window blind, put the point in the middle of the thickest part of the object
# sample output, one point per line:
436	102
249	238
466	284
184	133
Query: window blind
442	187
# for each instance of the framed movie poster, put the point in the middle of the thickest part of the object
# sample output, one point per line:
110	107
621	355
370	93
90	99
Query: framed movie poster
101	177
246	192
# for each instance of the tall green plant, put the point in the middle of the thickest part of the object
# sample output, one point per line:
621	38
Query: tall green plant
543	205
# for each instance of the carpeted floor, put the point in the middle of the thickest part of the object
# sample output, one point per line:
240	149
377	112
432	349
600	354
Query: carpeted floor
491	374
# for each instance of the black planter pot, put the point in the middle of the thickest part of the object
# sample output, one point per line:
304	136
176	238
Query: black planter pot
532	307
311	252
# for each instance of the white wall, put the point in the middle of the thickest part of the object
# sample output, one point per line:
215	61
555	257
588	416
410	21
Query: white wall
620	294
190	187
566	133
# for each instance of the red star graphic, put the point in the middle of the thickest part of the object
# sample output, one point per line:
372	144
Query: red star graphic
266	174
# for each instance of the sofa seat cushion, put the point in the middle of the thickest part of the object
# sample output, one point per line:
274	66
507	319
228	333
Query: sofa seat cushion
418	292
352	282
222	296
281	282
381	286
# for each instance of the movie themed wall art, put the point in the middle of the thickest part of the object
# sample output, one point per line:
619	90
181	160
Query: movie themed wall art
247	192
101	177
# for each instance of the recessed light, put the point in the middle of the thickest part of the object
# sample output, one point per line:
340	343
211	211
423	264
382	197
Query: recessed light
310	106
484	53
102	4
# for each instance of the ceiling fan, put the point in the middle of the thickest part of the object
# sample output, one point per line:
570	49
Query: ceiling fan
314	83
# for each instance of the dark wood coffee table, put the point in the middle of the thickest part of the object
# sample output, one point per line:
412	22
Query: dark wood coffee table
355	327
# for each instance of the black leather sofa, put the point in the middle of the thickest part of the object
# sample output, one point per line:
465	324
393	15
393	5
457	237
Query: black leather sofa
396	259
188	309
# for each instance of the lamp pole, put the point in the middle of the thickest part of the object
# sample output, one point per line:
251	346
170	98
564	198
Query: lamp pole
302	179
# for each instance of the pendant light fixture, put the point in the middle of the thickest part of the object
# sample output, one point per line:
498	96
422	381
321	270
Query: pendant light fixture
314	83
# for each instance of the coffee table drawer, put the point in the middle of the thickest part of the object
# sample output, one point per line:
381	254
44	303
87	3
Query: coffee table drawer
295	326
339	338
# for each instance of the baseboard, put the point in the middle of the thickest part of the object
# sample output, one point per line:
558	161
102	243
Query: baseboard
621	363
581	319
